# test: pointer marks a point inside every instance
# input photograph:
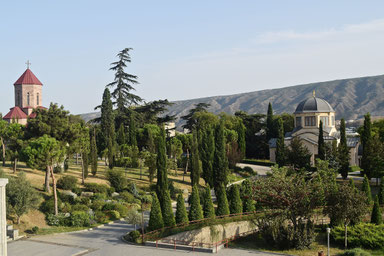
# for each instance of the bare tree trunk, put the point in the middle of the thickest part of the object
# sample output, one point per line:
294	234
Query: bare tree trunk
54	190
47	188
14	165
3	148
82	170
18	220
175	165
186	165
346	236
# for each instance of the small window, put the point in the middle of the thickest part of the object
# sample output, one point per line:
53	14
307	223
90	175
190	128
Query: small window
298	121
37	99
325	121
333	120
310	121
28	99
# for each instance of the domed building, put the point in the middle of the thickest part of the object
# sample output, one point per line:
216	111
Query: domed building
307	116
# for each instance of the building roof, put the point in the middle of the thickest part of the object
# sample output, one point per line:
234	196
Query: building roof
15	113
352	141
314	104
27	78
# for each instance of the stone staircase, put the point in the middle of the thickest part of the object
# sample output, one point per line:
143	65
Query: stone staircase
12	234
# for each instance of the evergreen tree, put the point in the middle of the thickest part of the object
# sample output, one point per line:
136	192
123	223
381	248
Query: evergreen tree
270	128
376	216
321	143
298	155
189	118
220	163
280	147
366	138
381	191
235	204
93	153
167	210
195	211
343	151
195	162
222	202
207	151
208	208
107	125
367	189
181	211
246	195
155	216
161	163
352	183
120	135
240	129
132	130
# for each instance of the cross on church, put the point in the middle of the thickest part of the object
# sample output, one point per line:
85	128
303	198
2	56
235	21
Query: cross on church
28	64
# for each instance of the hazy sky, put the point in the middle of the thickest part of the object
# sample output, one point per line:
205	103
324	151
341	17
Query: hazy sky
186	49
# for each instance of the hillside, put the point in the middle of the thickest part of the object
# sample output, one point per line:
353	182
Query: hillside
351	99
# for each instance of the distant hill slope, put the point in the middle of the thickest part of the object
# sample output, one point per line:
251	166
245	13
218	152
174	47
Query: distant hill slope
351	99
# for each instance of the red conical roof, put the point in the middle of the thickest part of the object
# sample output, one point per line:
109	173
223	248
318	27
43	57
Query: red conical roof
15	113
28	78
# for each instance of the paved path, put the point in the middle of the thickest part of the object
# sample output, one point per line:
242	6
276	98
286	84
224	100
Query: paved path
103	241
260	169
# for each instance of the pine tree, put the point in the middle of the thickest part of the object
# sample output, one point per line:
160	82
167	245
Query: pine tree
235	204
367	189
381	191
155	216
107	125
343	151
246	194
366	138
181	211
222	202
280	147
93	153
220	163
208	208
167	210
195	162
376	216
270	128
120	135
207	151
321	143
195	211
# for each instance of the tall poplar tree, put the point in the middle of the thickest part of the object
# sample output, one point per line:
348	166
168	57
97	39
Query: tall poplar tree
343	151
195	163
207	151
270	128
280	147
321	143
108	125
366	138
93	153
220	163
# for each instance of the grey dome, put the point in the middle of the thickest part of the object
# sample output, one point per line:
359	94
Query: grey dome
314	104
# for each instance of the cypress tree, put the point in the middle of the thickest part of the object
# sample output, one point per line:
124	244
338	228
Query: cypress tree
195	162
222	202
381	191
367	189
366	138
376	216
161	164
167	210
181	211
352	183
132	130
235	204
120	136
207	151
155	216
240	129
280	147
208	208
321	143
93	153
270	128
343	151
195	211
108	125
246	193
220	163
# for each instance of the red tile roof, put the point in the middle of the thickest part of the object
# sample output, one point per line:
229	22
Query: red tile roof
28	78
16	113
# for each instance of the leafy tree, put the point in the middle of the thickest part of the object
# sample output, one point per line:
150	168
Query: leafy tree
82	145
376	216
321	143
3	132
207	151
381	191
298	155
366	138
189	118
21	196
208	208
195	211
195	163
155	216
14	142
246	195
235	204
280	147
343	151
367	189
107	122
93	152
222	201
44	153
220	163
270	128
181	211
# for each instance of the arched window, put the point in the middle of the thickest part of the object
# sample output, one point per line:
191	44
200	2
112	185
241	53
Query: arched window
28	99
37	99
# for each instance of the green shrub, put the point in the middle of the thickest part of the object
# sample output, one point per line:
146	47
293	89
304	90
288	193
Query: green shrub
147	199
85	201
127	197
356	252
96	188
77	191
56	220
58	169
35	229
79	219
99	196
67	182
66	207
66	198
121	209
101	217
133	189
97	205
112	215
79	207
48	206
248	169
117	180
364	235
133	236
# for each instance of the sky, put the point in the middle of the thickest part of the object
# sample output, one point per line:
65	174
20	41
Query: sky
186	49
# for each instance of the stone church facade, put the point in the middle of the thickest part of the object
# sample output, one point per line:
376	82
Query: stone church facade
307	118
